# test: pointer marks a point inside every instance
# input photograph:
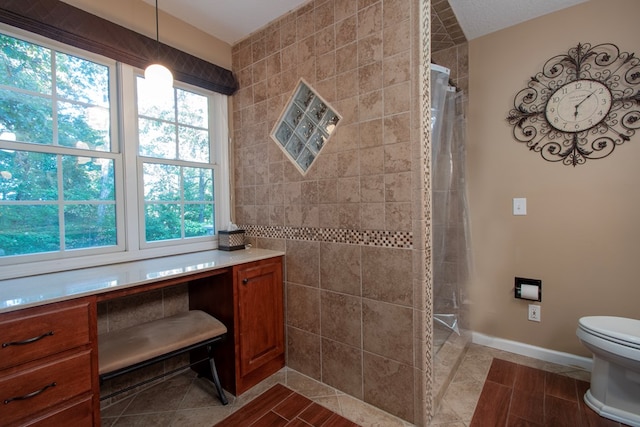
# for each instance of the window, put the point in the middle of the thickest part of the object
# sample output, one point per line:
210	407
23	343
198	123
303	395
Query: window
57	176
67	142
174	156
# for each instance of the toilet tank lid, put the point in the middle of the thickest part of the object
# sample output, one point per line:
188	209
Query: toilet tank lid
621	328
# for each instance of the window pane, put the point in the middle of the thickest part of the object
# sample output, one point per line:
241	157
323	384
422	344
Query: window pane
161	182
153	103
28	229
84	122
198	184
25	175
86	178
192	109
81	80
157	139
194	144
85	127
27	117
198	220
162	222
89	226
25	65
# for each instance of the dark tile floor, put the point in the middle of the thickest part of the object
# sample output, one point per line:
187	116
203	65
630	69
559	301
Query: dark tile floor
518	395
280	406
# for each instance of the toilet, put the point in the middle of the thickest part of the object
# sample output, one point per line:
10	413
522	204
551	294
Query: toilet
615	378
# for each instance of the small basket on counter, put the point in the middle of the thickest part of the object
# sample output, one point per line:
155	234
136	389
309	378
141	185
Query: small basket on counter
230	240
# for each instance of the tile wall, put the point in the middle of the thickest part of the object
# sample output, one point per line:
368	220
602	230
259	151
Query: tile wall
445	29
353	226
456	58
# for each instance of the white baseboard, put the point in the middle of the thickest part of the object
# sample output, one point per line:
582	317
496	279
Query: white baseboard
540	353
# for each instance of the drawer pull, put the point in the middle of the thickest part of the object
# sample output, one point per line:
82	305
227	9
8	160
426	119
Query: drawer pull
30	395
28	341
245	281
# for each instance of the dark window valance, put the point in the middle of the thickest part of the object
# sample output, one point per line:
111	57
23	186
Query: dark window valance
68	24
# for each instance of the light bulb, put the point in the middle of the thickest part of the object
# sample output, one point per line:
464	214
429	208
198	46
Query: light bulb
159	76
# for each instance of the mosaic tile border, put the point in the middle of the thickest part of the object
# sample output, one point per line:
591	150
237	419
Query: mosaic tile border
424	43
382	238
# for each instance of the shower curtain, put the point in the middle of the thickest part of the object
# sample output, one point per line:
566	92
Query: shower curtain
451	246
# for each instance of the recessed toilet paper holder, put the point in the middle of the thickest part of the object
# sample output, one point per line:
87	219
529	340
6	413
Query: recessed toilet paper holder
529	289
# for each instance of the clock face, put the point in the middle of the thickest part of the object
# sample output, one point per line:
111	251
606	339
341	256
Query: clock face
578	105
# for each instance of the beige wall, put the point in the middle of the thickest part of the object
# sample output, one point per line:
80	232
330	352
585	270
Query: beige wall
140	17
581	233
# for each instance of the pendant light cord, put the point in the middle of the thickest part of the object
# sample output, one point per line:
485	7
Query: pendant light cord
157	26
157	73
157	34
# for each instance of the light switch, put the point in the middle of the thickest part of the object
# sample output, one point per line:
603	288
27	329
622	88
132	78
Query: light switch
519	206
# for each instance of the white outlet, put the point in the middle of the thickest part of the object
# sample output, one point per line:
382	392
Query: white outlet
534	312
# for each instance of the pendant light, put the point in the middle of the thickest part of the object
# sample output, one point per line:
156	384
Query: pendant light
157	74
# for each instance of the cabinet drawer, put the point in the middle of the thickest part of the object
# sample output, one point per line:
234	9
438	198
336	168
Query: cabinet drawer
78	413
34	387
38	332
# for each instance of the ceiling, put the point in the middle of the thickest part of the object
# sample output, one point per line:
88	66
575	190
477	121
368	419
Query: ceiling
478	18
233	20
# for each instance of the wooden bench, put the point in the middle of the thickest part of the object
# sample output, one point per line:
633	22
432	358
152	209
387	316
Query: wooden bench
129	349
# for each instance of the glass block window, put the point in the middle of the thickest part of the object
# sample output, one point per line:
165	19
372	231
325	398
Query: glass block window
305	127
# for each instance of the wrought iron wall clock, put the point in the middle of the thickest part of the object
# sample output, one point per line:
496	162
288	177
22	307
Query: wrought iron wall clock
580	106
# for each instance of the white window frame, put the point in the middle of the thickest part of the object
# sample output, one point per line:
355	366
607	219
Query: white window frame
124	131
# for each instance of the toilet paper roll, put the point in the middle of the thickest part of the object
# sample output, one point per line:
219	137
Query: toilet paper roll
529	292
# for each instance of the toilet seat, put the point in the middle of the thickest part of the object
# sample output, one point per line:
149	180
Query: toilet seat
619	330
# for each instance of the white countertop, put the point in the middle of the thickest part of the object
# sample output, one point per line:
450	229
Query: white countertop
24	292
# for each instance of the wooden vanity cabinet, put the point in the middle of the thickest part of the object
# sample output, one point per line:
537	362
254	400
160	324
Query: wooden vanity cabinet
49	353
251	305
48	367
